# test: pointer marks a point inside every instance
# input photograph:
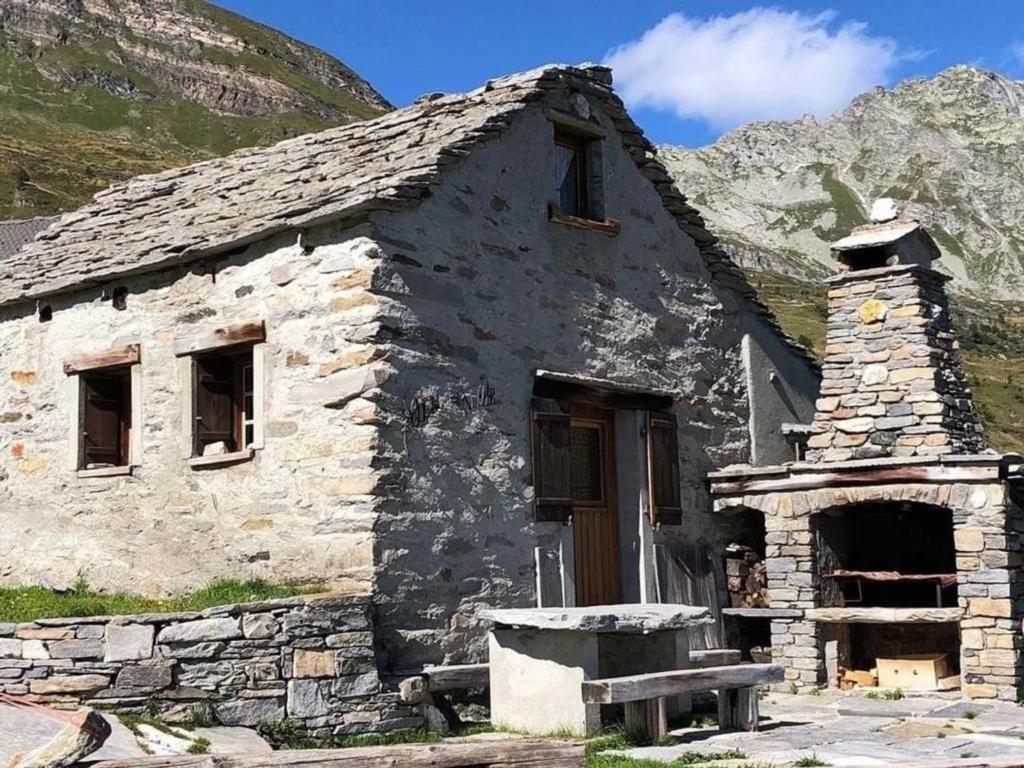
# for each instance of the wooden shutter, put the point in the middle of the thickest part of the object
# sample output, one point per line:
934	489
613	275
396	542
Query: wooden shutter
552	485
663	468
104	420
214	402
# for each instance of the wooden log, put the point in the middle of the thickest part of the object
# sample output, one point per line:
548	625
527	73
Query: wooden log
646	719
714	657
229	336
617	690
457	677
475	753
859	615
108	358
738	709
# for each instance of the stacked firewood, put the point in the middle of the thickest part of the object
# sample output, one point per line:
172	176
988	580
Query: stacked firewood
747	577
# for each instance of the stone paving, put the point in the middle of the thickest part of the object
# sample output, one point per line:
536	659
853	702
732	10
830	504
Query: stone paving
849	729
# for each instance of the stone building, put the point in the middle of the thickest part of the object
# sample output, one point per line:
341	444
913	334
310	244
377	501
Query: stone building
898	535
476	352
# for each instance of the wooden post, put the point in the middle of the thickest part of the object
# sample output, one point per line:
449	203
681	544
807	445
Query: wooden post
738	709
646	719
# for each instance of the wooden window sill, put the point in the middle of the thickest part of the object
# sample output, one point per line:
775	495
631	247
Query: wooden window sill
222	459
607	227
105	472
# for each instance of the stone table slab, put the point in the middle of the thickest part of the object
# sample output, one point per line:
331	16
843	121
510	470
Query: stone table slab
626	619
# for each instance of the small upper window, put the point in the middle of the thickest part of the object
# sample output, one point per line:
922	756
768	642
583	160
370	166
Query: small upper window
571	174
224	402
105	418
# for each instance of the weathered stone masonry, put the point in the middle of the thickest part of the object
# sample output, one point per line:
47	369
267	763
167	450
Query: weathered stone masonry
307	658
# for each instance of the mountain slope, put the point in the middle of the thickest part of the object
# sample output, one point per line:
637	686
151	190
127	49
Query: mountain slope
950	149
92	91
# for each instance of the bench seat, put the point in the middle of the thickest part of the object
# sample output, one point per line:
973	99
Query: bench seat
643	695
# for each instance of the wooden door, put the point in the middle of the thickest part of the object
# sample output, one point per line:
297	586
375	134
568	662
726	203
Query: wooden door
595	519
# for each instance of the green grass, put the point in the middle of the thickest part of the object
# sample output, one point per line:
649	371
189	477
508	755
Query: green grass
286	734
71	138
30	603
810	761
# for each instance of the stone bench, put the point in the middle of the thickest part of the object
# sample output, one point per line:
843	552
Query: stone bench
643	695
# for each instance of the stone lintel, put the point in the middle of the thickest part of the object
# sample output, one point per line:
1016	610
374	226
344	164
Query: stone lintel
619	619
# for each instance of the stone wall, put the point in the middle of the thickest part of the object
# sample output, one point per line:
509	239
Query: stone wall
301	509
893	384
481	291
306	658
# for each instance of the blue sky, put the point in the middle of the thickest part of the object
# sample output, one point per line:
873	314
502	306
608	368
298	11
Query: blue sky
690	69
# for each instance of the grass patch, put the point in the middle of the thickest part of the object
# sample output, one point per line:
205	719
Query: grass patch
286	734
810	761
19	604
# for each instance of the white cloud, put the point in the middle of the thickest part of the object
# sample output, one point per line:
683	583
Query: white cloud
1017	51
761	64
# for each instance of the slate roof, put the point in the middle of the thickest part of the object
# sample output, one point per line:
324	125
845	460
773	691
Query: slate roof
17	232
159	220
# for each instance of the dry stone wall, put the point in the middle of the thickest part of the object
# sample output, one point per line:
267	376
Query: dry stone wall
310	659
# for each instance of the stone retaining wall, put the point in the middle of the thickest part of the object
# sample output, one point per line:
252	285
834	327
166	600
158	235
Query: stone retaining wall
307	658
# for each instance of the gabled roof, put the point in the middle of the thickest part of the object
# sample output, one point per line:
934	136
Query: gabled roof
159	220
16	233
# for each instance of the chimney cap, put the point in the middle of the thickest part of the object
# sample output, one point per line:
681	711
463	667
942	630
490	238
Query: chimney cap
884	209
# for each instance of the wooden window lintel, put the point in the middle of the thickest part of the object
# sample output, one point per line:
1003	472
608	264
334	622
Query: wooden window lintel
608	227
571	124
108	358
229	336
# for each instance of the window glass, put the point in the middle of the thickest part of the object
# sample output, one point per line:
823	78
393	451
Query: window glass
585	463
568	162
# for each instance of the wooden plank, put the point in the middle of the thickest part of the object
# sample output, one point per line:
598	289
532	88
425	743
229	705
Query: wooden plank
608	227
229	336
457	677
477	753
715	657
576	124
108	358
883	476
617	690
859	615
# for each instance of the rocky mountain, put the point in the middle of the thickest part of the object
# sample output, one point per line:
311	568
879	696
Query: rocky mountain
950	149
92	91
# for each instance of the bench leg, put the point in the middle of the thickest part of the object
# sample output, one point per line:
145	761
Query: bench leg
738	709
646	719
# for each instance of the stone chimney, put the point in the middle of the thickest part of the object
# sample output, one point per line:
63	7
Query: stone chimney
893	384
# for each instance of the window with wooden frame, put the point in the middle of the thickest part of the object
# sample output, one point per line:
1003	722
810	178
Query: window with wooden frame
223	370
105	411
572	193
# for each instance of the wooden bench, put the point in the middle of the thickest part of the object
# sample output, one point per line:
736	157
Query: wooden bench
643	695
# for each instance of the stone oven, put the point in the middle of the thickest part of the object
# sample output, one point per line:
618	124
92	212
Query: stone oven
896	539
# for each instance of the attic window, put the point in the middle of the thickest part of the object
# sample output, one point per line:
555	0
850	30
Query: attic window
571	174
